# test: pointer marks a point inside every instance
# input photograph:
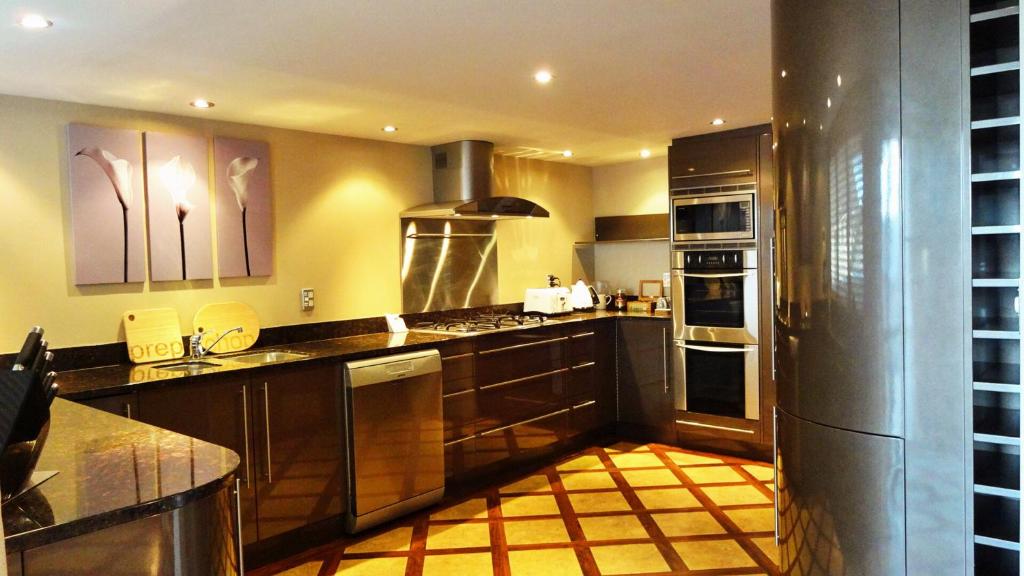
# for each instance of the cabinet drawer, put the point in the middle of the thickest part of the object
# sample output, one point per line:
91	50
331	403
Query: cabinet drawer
583	382
523	439
456	348
581	347
503	404
584	417
712	162
460	415
457	373
528	358
491	342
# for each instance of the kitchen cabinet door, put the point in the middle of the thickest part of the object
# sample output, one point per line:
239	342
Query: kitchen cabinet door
121	404
712	161
299	446
217	412
645	385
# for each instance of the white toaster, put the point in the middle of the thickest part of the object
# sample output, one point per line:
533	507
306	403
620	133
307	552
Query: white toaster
547	301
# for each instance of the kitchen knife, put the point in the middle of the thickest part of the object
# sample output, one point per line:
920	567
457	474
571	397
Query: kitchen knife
29	349
51	386
37	367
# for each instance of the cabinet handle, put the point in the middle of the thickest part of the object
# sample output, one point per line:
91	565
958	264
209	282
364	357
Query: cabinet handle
266	424
238	533
664	357
706	174
525	345
714	427
245	431
775	467
128	410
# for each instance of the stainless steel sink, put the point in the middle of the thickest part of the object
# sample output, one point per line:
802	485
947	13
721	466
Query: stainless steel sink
190	366
266	357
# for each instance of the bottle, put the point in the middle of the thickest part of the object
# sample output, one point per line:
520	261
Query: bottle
620	300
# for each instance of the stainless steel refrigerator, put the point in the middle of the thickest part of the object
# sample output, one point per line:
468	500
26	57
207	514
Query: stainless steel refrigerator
839	425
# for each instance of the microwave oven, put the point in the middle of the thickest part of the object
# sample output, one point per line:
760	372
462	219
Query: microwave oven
716	216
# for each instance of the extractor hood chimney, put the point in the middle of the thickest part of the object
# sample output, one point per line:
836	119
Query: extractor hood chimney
462	186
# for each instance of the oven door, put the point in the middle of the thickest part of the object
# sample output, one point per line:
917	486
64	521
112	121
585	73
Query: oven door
713	217
717	380
715	306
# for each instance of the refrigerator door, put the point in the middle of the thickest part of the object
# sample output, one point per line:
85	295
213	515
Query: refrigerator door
840	500
839	229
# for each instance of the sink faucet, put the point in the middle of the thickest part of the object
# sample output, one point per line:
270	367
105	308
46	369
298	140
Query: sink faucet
195	343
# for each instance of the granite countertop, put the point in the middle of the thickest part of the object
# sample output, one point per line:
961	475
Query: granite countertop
107	380
111	470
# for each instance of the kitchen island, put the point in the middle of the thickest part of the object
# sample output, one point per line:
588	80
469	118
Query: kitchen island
128	498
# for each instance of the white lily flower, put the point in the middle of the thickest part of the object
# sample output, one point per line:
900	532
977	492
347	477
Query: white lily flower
239	172
118	171
179	177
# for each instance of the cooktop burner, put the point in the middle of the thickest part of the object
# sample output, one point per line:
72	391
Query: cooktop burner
480	323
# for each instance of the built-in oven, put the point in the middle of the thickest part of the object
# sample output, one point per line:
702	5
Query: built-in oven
714	216
719	380
715	296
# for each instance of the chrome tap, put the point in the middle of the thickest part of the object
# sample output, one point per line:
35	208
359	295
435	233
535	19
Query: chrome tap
195	343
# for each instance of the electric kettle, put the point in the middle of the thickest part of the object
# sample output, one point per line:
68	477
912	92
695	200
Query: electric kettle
580	297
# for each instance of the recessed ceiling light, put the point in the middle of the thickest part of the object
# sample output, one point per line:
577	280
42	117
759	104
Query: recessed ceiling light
201	103
543	76
717	122
567	153
828	102
390	128
645	153
783	74
839	80
34	22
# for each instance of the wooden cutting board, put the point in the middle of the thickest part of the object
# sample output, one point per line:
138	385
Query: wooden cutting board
153	335
214	319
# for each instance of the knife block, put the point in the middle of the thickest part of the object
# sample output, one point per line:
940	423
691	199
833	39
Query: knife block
24	424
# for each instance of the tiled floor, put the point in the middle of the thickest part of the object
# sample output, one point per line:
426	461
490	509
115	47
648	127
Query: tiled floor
624	509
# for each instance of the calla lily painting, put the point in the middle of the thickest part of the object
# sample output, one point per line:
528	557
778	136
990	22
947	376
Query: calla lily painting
244	217
107	218
180	237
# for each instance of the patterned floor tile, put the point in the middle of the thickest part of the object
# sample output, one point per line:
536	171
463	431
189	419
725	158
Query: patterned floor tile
629	559
529	506
448	536
638	478
590	502
538	483
688	524
477	564
588	462
598	528
764	473
708	554
735	495
395	540
372	567
754	519
561	561
688	459
474	508
712	474
667	498
523	532
586	480
636	460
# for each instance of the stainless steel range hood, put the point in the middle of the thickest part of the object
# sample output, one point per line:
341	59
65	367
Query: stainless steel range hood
462	186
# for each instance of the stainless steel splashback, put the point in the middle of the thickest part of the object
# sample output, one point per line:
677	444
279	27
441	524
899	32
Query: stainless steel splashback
448	264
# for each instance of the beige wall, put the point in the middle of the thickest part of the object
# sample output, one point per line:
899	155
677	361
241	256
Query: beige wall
628	189
632	188
530	249
336	205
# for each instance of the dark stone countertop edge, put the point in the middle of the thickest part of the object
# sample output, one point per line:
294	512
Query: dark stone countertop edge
50	534
91	383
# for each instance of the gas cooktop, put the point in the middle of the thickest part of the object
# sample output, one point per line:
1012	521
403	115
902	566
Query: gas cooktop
480	323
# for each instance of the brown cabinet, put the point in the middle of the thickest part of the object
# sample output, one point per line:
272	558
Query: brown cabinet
718	159
646	403
298	447
216	411
286	426
121	404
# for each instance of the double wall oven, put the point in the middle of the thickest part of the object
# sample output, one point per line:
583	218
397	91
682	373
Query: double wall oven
716	358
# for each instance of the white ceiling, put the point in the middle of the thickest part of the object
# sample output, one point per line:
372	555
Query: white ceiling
629	74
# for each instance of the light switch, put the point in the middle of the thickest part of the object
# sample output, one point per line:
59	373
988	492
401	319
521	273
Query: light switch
307	299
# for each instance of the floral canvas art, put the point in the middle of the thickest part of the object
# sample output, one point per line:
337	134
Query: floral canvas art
244	213
107	207
178	201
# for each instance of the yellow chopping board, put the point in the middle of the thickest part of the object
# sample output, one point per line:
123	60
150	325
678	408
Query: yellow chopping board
153	335
215	319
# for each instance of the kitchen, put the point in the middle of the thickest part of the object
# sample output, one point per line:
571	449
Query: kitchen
536	307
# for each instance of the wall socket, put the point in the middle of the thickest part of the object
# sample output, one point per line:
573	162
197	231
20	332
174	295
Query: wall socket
307	299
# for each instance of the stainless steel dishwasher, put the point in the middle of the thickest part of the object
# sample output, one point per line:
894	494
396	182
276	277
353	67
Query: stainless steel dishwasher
395	444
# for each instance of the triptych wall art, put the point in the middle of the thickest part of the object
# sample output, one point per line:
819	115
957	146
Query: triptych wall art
114	180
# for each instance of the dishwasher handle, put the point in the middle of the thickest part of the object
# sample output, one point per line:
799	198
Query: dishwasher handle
390	368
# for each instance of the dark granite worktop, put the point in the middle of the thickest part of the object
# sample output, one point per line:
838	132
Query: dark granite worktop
111	470
107	380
